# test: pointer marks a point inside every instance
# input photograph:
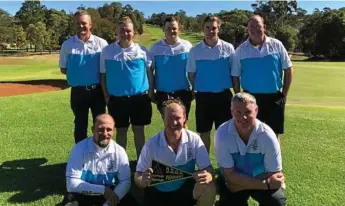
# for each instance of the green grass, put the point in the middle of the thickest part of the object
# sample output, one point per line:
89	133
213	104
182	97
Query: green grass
36	134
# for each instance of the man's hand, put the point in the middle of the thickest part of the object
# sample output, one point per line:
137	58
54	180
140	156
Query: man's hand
276	180
202	177
147	177
111	197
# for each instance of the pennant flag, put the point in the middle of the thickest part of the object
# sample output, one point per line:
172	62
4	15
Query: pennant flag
163	173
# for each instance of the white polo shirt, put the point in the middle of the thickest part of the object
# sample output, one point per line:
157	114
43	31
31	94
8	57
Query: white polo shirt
261	69
261	154
211	65
191	152
169	63
81	59
125	69
91	167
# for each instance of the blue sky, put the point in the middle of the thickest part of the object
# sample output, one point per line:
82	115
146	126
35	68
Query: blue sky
148	7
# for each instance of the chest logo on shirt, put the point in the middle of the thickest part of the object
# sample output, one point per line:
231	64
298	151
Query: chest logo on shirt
189	153
110	166
254	145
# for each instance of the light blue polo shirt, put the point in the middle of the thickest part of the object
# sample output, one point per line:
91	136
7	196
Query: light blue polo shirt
211	65
261	154
169	63
81	59
90	168
125	69
191	152
261	69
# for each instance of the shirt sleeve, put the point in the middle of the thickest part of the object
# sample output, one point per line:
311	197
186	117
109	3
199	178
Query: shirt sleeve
201	155
191	67
74	182
104	43
284	57
63	56
152	56
145	159
272	158
102	61
236	68
148	59
231	57
124	174
223	156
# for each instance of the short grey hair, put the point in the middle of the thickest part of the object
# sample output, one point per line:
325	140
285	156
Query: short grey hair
82	13
244	97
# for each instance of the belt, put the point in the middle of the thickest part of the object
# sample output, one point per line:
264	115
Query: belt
88	87
129	96
213	93
175	92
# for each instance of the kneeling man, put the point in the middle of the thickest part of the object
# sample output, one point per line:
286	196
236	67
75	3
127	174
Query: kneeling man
248	153
98	171
180	148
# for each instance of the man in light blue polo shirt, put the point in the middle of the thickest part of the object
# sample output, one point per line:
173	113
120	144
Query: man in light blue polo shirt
258	66
180	148
98	170
169	60
127	84
249	157
208	67
79	60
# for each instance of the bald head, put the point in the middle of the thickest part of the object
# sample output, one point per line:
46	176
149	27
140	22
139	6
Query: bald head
103	129
104	118
256	18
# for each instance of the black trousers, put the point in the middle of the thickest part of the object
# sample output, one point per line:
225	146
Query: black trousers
82	99
263	197
87	200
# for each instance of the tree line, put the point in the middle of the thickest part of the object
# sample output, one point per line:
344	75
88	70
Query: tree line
35	25
320	34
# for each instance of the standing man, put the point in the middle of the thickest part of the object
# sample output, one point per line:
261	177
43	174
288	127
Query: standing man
169	66
98	169
177	147
260	63
209	66
127	84
249	157
79	60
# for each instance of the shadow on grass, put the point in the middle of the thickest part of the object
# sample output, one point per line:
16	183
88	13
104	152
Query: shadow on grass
31	179
59	83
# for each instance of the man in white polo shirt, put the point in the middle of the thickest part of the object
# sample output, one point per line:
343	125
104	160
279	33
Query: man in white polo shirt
79	60
259	66
169	60
249	157
98	170
127	84
208	67
182	149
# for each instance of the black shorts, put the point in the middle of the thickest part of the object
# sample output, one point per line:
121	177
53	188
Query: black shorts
184	95
126	110
180	197
271	110
212	107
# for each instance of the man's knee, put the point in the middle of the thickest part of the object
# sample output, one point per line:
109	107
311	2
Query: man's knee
271	197
204	194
